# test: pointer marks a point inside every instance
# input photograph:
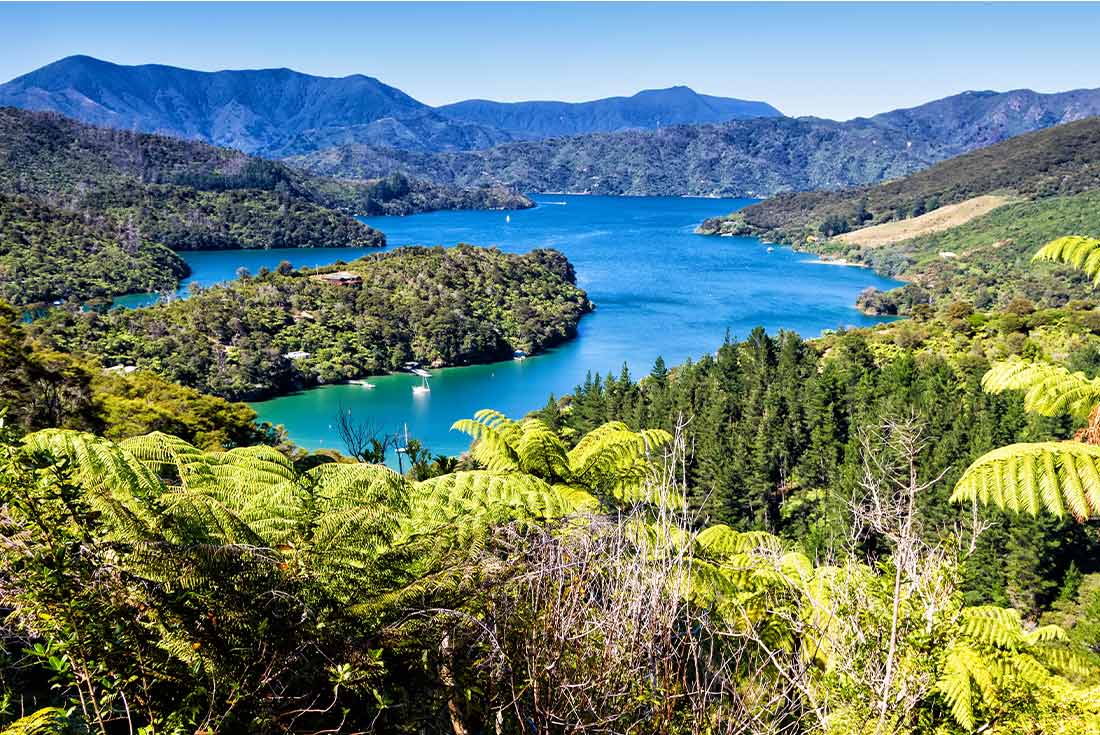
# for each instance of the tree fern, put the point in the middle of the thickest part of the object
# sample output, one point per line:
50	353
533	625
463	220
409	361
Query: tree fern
611	462
993	651
118	486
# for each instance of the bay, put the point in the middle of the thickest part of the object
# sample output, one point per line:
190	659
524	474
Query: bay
659	290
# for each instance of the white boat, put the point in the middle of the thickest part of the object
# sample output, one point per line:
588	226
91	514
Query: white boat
507	218
422	388
519	355
420	372
771	250
364	383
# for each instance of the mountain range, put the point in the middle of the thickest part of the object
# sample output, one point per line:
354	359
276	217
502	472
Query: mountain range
657	142
755	157
280	112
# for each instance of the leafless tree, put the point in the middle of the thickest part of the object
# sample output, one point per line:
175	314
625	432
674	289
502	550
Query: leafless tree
362	438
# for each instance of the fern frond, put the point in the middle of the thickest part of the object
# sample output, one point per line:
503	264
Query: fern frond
46	721
1049	390
963	667
1056	475
993	626
492	446
1082	253
541	451
722	542
118	486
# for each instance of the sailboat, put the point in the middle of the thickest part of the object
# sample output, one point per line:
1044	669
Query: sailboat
402	450
507	218
422	388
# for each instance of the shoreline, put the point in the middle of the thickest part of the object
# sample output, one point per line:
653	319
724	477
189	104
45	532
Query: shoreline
842	262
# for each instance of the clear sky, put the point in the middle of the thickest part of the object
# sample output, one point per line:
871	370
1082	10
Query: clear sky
837	61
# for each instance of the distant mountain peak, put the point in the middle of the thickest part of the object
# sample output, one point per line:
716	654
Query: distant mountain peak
272	112
646	109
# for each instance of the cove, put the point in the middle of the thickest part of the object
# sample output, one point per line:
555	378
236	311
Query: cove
659	290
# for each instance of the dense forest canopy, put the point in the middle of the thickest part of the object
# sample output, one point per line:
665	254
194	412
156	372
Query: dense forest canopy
42	388
277	331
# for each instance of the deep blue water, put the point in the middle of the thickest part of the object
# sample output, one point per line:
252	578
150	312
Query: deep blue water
659	289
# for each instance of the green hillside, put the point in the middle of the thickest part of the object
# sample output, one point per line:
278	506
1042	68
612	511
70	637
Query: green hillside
48	254
153	192
1058	161
986	261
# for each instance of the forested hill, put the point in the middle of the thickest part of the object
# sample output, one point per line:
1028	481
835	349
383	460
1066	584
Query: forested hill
147	191
48	253
757	157
288	329
648	109
963	230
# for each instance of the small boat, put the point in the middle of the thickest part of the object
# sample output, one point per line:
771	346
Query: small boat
420	372
519	355
364	383
771	250
507	218
422	388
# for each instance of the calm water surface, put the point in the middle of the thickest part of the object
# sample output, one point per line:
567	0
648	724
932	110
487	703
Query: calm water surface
659	289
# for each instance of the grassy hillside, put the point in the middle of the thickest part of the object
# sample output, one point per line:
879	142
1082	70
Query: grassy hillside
1059	161
442	306
986	261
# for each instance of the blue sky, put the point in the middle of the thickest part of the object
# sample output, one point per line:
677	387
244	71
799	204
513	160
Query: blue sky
836	61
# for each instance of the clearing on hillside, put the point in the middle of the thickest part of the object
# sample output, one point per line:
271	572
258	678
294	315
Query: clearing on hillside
944	218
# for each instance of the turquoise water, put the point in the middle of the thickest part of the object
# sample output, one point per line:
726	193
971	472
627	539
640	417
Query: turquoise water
659	289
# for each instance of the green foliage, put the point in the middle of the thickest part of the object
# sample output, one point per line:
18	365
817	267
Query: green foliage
1057	476
1049	390
995	651
234	580
1082	253
156	585
49	254
46	721
40	388
438	306
611	462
